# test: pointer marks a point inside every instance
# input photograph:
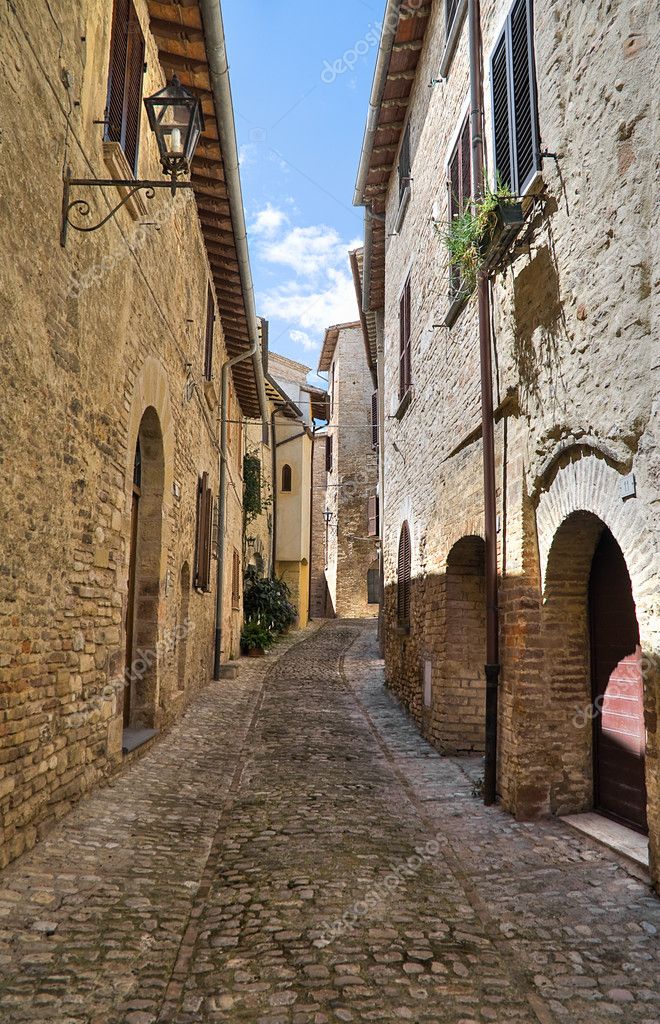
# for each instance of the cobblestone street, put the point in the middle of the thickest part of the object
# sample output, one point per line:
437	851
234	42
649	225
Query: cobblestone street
259	864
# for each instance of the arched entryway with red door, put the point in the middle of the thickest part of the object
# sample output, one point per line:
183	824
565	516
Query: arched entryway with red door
619	735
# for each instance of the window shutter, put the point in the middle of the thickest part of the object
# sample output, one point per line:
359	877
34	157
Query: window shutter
208	339
404	162
374	421
124	103
203	544
466	165
373	516
404	327
134	78
524	95
329	453
501	125
515	113
403	580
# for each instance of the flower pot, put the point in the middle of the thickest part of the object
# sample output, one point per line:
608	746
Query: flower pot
256	652
494	247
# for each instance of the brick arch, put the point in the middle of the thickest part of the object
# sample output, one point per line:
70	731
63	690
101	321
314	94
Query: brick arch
581	499
583	481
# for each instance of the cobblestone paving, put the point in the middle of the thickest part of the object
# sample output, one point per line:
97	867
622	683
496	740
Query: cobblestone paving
294	853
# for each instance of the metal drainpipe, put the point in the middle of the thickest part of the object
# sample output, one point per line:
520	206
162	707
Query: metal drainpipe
492	667
222	506
273	539
311	528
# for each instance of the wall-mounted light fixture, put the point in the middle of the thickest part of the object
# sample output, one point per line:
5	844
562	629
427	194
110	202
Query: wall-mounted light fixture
327	515
176	119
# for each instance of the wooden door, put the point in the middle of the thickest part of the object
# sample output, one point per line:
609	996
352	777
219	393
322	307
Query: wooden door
130	604
618	689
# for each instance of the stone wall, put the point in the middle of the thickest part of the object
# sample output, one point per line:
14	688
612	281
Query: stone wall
354	477
573	388
94	336
321	605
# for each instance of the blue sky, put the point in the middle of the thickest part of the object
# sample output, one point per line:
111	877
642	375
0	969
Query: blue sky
301	76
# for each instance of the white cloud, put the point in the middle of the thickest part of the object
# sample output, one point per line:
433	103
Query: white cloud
308	251
302	338
314	308
247	155
268	221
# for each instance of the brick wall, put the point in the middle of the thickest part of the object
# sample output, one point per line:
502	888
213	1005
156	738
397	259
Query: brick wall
94	336
573	390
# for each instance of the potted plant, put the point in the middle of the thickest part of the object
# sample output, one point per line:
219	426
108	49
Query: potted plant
478	237
256	639
268	601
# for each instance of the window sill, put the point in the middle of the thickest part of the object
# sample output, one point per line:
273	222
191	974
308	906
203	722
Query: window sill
133	739
403	206
452	39
210	394
404	404
456	307
119	167
402	631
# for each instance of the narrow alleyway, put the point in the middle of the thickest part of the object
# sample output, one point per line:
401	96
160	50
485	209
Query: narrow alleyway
255	866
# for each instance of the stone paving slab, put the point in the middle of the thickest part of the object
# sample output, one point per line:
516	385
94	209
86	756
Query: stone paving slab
295	853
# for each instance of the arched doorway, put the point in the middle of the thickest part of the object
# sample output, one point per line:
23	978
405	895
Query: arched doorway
143	601
619	736
182	637
463	708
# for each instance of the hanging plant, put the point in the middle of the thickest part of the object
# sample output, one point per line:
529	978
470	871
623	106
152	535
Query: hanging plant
472	233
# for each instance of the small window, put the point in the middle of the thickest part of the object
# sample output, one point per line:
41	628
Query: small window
515	111
124	100
459	183
373	516
236	581
403	578
208	339
374	421
329	453
286	478
203	543
405	165
373	583
405	368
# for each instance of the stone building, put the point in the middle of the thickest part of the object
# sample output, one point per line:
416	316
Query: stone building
565	121
320	605
113	362
352	563
299	407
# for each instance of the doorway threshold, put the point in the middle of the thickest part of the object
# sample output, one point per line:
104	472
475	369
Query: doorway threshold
625	841
134	738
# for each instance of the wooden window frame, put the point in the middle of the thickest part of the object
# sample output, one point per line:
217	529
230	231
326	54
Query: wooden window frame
373	516
405	335
209	333
404	574
329	453
236	581
515	98
204	535
125	81
405	163
459	191
375	425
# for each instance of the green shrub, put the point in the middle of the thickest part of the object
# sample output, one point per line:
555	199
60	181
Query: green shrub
470	233
256	637
268	602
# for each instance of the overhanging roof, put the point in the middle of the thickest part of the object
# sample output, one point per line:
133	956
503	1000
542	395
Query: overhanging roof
368	320
396	71
330	343
178	29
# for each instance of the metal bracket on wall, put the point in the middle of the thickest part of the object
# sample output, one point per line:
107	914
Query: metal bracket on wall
82	206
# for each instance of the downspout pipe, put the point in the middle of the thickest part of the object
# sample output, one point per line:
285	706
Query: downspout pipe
222	505
492	667
216	53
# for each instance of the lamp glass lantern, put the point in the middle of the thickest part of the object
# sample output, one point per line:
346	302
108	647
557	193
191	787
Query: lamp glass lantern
176	119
